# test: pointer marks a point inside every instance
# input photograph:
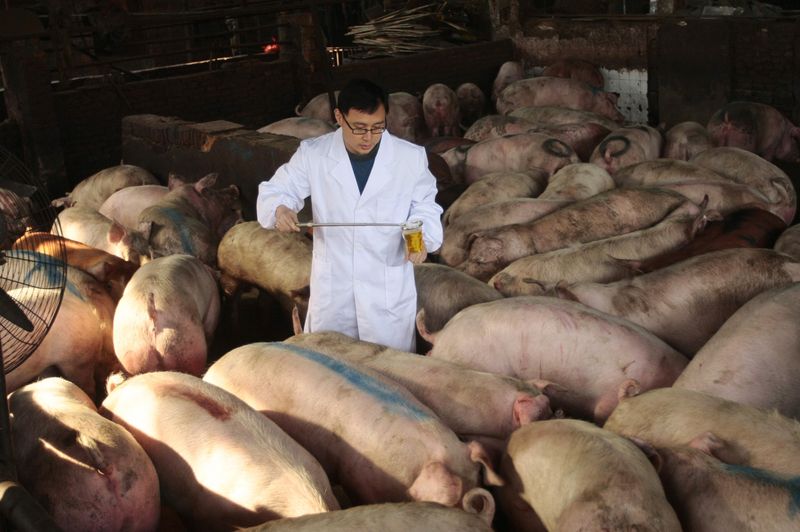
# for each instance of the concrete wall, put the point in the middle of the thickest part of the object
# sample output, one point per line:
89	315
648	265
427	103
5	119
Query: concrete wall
252	93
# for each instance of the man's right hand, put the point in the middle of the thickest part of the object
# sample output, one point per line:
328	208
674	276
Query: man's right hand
286	219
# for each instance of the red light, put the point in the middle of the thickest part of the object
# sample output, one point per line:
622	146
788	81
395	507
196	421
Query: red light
273	47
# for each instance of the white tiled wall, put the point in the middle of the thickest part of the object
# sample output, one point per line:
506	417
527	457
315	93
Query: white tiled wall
632	88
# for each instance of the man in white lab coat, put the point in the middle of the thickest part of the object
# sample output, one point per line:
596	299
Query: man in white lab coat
362	278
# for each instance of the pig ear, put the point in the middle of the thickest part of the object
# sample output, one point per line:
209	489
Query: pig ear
174	180
613	97
233	191
116	233
633	266
562	291
477	453
423	329
297	327
207	181
649	451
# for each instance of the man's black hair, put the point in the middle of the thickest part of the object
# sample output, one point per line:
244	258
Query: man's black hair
363	95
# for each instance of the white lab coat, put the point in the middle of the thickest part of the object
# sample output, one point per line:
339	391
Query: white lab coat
361	284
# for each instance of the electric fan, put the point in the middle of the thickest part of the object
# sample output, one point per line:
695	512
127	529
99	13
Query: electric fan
32	285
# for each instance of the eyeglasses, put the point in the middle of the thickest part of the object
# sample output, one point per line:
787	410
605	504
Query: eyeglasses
377	130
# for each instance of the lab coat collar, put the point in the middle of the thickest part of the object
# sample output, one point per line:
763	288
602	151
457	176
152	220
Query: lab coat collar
343	170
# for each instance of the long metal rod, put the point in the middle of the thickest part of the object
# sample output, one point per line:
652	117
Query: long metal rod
349	224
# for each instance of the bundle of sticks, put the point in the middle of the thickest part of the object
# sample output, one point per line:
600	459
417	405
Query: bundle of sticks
405	30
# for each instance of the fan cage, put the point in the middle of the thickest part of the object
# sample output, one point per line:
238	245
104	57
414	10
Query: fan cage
34	271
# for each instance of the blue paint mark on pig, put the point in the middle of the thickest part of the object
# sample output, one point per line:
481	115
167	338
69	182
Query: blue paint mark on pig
790	484
373	387
179	222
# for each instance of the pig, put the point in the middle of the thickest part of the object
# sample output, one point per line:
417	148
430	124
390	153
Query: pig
89	227
439	145
441	111
318	107
191	218
753	358
600	261
576	69
300	127
583	137
88	472
457	234
509	72
221	464
576	182
111	271
548	115
684	304
166	317
576	476
125	205
79	343
95	189
388	517
750	169
789	242
280	263
725	198
471	103
497	186
405	118
516	153
469	402
653	173
673	416
558	92
442	292
745	228
696	183
605	215
370	434
757	128
685	140
493	126
627	146
710	495
592	354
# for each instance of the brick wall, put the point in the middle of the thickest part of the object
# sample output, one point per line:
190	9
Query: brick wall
251	93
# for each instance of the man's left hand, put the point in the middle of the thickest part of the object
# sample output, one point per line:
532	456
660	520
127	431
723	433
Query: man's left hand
418	257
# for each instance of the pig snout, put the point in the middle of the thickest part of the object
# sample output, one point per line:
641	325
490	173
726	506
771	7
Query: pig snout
480	502
528	408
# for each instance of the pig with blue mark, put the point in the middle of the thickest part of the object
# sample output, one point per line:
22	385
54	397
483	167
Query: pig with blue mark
710	495
370	434
79	345
191	218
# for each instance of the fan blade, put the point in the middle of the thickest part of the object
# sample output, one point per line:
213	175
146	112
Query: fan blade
20	189
10	311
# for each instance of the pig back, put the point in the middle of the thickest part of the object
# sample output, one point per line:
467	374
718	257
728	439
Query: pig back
673	416
245	469
88	472
370	434
280	263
